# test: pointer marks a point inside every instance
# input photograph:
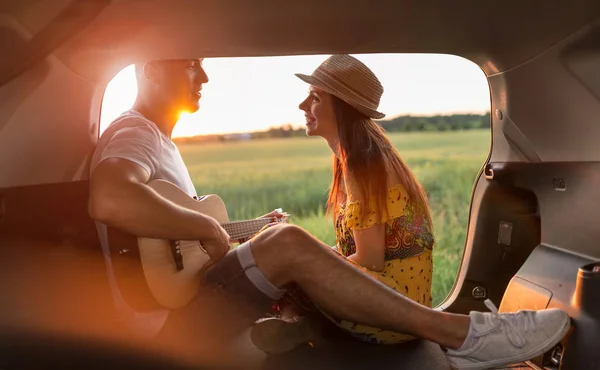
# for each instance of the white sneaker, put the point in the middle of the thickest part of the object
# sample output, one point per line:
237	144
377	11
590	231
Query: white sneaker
500	339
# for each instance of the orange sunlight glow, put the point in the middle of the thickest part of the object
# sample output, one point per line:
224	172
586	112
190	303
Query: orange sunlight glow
251	94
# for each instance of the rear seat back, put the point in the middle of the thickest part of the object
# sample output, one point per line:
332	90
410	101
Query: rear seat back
53	271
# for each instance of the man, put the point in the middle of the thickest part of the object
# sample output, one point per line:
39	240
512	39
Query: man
242	284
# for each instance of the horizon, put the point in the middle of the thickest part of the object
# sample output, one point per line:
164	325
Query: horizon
254	94
302	126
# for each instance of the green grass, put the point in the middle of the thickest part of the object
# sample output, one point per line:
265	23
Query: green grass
255	177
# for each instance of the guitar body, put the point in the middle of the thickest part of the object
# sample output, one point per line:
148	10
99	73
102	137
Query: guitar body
173	288
153	273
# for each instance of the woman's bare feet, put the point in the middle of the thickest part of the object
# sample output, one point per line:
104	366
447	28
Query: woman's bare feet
276	335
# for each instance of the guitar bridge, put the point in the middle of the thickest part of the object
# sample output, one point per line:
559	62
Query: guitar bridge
177	256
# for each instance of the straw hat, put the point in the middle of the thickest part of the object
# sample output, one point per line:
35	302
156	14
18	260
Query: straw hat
350	80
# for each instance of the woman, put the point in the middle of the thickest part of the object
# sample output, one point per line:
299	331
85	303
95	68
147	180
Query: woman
382	221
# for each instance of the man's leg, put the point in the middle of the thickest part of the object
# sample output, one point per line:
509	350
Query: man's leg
287	254
232	298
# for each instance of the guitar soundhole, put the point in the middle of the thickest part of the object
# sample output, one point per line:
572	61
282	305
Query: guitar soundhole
177	256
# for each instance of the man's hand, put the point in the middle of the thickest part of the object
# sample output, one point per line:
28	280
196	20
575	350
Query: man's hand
218	244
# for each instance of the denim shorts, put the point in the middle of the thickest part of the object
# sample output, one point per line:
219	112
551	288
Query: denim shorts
228	301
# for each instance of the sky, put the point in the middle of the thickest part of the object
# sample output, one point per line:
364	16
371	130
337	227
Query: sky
252	94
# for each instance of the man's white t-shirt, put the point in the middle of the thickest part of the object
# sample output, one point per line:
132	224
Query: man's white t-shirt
133	137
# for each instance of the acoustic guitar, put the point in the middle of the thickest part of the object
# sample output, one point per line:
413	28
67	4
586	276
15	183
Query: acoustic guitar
170	270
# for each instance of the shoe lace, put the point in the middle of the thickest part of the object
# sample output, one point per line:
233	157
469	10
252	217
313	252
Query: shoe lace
515	324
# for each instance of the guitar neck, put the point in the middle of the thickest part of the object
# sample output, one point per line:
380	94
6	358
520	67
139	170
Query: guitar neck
244	229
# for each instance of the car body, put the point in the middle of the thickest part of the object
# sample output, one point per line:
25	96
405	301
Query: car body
532	233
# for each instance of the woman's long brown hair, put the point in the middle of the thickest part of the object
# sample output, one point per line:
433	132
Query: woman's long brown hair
366	156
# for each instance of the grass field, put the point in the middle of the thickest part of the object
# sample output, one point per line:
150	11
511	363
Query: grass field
255	177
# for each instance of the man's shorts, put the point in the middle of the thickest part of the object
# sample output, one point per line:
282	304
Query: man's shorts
232	295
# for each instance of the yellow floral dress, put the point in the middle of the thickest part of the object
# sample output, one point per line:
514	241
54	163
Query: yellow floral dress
408	261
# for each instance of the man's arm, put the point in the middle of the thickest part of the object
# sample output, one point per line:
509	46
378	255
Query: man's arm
119	197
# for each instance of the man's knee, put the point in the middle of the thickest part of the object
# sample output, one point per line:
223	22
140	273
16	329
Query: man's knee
284	238
292	234
281	250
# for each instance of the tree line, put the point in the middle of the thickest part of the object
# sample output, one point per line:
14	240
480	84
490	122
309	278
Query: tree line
437	123
405	123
